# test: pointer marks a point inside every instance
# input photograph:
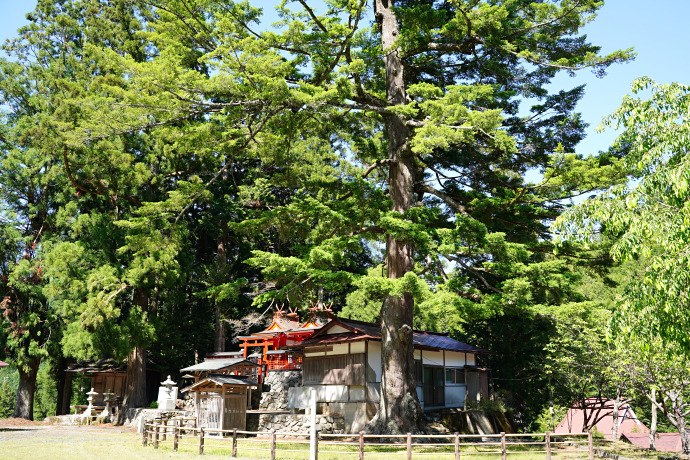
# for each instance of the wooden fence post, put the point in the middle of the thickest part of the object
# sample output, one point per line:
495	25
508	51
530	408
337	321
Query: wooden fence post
144	435
316	446
457	446
409	446
234	442
547	440
361	445
503	445
273	444
176	437
155	439
590	445
201	441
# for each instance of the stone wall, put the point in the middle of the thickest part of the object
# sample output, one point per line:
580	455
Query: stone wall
278	383
300	424
136	417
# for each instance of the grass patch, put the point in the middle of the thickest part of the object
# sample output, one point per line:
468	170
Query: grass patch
52	442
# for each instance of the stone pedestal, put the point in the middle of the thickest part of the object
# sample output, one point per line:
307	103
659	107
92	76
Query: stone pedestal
167	395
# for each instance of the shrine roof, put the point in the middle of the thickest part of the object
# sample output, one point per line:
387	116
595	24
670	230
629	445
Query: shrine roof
218	364
359	330
220	380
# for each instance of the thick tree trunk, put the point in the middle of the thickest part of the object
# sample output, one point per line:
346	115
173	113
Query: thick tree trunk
135	391
66	394
683	431
221	260
60	377
652	427
219	342
135	386
399	409
24	404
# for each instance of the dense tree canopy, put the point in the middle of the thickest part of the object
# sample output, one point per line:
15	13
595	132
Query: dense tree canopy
373	151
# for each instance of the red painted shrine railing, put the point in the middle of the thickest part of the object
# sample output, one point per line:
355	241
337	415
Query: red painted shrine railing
282	362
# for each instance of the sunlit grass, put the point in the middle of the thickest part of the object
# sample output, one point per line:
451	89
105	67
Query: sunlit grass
119	444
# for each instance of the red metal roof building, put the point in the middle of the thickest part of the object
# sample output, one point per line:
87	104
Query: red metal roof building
664	442
600	414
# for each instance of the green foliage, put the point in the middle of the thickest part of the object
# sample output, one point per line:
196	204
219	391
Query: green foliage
549	418
200	163
649	217
8	390
46	394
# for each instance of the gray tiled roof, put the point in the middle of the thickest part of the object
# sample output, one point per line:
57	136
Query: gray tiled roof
218	364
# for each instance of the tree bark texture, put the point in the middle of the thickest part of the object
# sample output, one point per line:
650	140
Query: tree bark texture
682	429
652	427
399	409
135	386
616	407
24	404
60	377
66	394
221	258
135	391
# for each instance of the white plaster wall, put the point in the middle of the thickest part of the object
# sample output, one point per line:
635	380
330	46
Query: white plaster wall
356	393
310	354
374	358
455	359
470	359
357	347
354	413
432	358
298	397
420	395
336	330
417	354
338	349
455	395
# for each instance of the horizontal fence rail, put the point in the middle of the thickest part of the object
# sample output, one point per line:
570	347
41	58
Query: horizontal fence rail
184	432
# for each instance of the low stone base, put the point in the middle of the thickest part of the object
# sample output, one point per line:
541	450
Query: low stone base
136	417
300	424
78	419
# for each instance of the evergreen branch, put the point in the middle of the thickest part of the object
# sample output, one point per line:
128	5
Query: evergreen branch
454	204
315	18
576	5
250	138
476	273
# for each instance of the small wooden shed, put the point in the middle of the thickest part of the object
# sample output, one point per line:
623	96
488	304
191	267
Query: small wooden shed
220	401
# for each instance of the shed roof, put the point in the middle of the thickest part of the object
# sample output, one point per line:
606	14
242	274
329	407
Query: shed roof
601	412
218	364
359	330
664	442
219	380
100	365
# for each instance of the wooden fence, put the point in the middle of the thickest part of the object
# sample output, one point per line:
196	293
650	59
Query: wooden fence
175	431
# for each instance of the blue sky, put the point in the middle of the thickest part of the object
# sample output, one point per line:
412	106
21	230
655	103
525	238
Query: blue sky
659	32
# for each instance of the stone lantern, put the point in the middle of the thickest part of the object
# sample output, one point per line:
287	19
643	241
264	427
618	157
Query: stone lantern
108	402
89	410
167	395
